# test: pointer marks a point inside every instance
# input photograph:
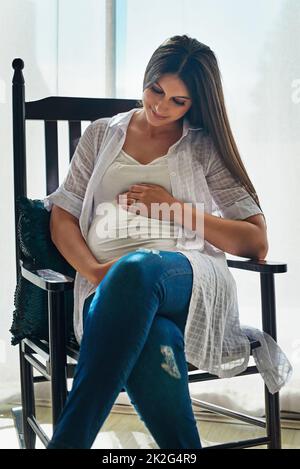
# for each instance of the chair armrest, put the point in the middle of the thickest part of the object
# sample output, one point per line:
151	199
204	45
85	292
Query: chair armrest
256	265
47	279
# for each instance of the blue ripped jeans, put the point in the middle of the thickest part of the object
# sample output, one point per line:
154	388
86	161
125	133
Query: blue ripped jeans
134	339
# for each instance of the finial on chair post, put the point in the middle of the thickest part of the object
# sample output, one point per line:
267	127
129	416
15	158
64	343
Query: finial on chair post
18	63
18	66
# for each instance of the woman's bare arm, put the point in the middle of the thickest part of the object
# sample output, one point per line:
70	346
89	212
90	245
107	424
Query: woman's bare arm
66	235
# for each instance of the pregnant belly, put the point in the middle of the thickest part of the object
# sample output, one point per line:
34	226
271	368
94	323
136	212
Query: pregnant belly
118	232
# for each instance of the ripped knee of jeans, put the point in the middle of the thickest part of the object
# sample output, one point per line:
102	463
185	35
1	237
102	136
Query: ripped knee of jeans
169	364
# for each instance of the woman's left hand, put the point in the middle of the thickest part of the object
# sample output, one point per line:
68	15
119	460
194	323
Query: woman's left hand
144	199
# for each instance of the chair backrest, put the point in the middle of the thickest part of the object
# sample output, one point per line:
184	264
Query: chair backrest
51	110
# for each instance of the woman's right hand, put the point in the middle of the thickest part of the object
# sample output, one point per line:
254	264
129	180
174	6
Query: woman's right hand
98	273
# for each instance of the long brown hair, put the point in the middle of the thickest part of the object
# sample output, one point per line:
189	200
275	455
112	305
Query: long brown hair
197	66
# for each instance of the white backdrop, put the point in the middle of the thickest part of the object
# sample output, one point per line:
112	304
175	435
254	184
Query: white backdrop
257	45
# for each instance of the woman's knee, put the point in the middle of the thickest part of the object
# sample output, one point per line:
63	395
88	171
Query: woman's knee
135	268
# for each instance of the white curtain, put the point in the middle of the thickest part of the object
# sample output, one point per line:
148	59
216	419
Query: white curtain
257	44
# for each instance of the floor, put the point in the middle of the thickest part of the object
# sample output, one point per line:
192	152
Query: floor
124	429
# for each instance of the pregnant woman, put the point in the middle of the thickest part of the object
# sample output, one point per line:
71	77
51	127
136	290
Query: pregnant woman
152	289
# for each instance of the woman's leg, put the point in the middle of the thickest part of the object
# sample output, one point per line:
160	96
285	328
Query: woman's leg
116	329
158	387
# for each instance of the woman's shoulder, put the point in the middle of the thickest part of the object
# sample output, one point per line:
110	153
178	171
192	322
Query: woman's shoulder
98	128
199	134
99	125
202	145
113	121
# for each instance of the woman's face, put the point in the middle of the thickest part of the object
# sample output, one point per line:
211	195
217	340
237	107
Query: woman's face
166	101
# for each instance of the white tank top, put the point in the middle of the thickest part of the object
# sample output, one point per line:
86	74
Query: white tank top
114	231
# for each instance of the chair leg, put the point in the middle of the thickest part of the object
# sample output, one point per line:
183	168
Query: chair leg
273	419
28	402
57	346
17	415
269	326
